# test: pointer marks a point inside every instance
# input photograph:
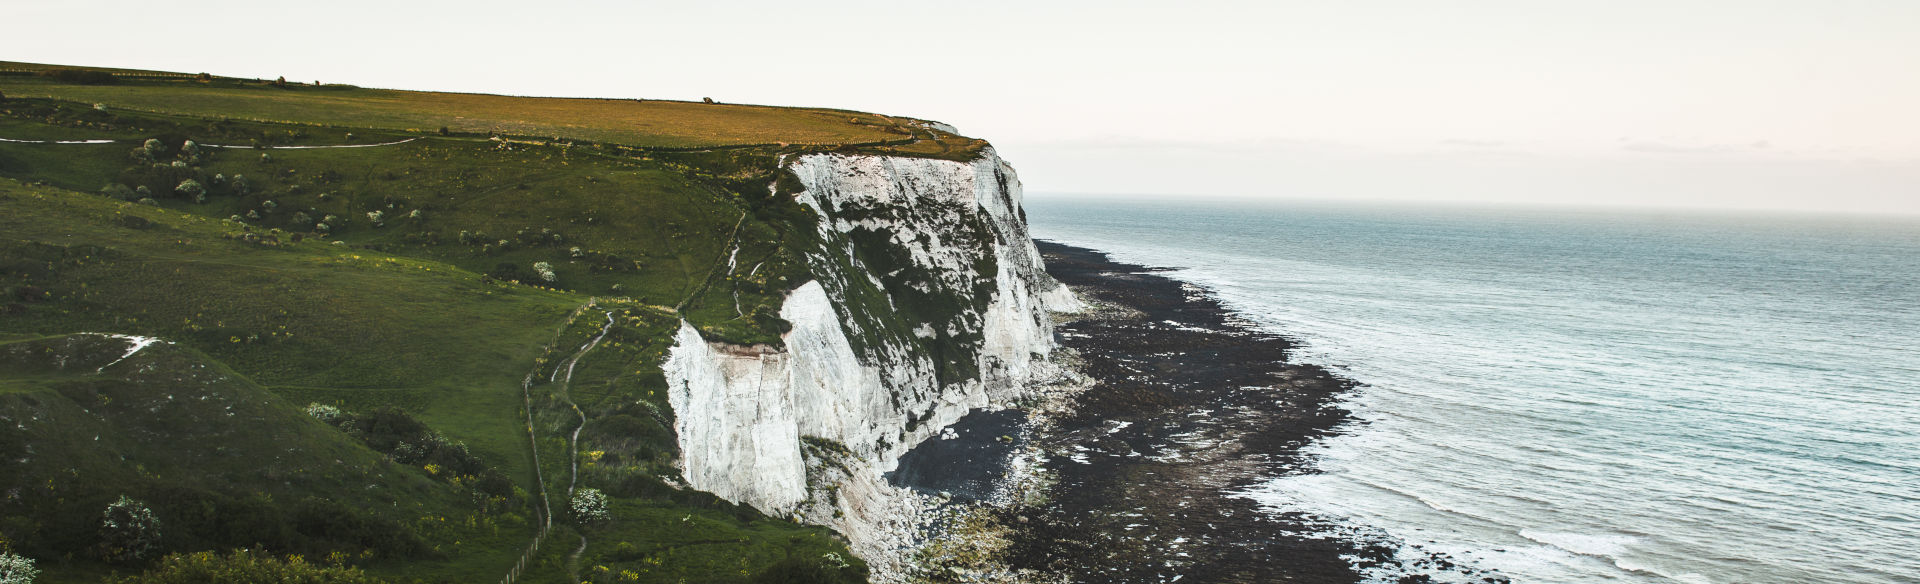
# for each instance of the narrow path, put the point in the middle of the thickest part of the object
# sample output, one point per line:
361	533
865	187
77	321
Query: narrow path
540	477
10	140
573	446
573	441
224	146
319	147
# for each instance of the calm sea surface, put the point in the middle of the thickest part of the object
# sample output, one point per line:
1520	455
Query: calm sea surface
1583	396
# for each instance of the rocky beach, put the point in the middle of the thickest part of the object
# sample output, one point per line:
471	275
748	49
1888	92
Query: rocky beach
1136	475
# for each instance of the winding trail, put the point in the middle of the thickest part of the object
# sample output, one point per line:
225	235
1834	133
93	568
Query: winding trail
533	440
319	147
222	146
573	441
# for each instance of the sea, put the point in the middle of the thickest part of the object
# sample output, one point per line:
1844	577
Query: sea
1580	395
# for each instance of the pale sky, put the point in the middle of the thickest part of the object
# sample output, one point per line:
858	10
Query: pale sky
1810	104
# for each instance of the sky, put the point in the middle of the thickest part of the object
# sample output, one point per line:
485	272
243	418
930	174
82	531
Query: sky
1749	104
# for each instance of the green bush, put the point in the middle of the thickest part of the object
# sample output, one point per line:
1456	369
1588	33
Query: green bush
128	530
245	567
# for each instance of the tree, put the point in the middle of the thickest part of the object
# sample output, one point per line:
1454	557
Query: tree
128	530
16	569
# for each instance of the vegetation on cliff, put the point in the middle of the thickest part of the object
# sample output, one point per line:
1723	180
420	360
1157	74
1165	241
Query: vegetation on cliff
310	320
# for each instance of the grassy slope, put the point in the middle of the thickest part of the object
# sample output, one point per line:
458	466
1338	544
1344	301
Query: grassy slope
400	314
222	462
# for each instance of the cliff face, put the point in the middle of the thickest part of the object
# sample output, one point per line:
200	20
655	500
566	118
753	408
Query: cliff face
928	301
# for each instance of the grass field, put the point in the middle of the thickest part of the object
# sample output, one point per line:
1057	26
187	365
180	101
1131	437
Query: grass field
631	122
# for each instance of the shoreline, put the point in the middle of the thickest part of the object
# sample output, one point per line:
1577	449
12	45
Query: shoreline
1138	474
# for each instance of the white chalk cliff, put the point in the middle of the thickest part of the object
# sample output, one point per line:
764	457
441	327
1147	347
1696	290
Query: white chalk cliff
928	300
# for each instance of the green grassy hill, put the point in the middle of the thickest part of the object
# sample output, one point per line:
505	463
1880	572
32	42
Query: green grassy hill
425	286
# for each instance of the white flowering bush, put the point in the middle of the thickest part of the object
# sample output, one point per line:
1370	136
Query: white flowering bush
128	530
323	412
545	270
190	188
16	569
589	504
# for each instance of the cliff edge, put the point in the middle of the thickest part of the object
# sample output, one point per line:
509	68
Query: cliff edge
928	301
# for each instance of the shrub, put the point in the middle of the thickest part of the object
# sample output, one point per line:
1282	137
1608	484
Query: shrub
245	567
375	217
128	530
16	569
190	188
545	270
300	218
269	205
336	522
240	185
119	191
589	504
154	147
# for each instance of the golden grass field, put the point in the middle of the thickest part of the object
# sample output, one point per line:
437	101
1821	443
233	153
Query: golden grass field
643	123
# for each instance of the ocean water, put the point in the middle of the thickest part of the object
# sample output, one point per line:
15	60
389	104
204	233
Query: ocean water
1583	396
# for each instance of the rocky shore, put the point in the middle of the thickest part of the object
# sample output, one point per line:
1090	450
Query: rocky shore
1134	474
